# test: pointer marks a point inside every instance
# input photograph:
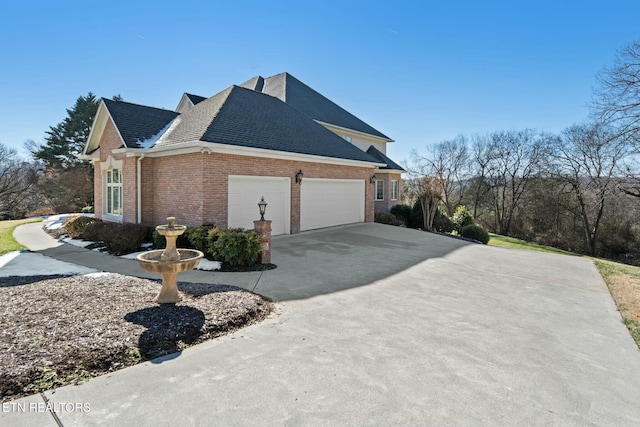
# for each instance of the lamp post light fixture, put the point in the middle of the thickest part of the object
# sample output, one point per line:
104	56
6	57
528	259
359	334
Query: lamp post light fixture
372	179
299	176
262	205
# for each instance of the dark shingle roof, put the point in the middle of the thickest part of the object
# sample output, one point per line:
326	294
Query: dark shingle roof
380	156
138	123
301	97
195	99
243	117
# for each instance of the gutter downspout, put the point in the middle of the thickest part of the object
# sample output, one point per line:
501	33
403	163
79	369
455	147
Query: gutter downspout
139	190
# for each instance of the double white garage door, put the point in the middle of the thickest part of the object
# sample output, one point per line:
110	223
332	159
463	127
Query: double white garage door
323	202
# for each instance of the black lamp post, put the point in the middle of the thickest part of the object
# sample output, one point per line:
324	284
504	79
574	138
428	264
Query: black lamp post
263	206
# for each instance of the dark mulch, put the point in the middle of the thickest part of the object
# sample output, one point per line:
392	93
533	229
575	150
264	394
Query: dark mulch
57	330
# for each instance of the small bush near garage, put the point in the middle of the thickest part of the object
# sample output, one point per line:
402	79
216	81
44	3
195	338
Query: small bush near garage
212	238
198	237
75	225
475	232
387	218
238	247
402	213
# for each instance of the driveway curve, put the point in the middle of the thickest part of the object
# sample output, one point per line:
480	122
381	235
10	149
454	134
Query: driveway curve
450	333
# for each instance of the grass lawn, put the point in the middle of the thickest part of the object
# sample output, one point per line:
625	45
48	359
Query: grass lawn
510	242
623	280
7	242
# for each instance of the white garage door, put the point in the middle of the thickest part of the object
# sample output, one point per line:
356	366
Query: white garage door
329	202
245	192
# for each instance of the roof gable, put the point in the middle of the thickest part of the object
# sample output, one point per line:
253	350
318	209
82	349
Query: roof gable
379	155
138	124
243	117
306	100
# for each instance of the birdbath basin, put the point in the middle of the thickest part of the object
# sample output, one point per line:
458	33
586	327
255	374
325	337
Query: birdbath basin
170	261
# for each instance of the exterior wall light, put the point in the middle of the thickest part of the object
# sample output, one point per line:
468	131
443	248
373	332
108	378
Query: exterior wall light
262	205
299	176
373	178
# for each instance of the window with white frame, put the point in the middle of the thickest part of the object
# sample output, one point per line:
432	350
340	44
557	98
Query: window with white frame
394	189
379	189
113	190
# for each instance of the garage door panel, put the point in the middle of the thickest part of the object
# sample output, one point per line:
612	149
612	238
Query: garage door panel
244	193
330	202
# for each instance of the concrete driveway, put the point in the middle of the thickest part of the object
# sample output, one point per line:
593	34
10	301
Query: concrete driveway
387	326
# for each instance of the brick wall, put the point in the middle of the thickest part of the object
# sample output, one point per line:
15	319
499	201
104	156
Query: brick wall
384	206
193	187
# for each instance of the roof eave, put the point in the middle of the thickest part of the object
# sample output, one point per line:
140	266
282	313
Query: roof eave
212	147
363	134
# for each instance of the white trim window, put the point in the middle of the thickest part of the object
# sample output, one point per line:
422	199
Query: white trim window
379	189
394	189
113	192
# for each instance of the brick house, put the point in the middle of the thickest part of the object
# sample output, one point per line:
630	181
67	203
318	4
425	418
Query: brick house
212	160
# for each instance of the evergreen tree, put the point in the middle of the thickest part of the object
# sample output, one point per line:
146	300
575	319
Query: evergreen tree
65	141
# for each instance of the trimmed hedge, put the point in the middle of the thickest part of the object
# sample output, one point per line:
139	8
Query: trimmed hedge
475	232
238	247
75	225
387	218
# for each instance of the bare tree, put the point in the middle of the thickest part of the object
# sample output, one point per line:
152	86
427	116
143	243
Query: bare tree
448	161
617	99
512	158
586	159
16	180
425	188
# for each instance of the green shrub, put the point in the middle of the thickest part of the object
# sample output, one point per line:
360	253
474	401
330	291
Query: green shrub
124	238
387	218
402	213
212	238
87	209
461	218
75	225
416	220
475	232
198	236
442	223
238	247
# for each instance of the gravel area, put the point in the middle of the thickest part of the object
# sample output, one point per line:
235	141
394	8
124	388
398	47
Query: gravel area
57	330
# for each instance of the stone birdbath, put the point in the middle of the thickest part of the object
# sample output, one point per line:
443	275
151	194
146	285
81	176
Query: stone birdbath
170	261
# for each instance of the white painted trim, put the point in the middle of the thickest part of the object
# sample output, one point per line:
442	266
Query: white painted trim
400	171
211	147
184	101
139	187
354	132
102	125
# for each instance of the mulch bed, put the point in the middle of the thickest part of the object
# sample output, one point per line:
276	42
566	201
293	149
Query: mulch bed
57	330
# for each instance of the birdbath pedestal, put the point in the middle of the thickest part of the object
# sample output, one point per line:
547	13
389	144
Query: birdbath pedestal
170	261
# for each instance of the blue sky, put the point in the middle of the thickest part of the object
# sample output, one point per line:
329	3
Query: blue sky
418	71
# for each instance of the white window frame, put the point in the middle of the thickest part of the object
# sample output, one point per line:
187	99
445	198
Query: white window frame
109	187
378	182
394	189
